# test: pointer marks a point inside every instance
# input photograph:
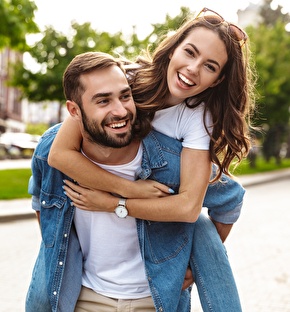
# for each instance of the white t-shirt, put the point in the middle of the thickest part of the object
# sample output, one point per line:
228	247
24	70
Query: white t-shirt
183	123
113	265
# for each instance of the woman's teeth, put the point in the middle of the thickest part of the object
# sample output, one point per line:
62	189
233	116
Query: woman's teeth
185	80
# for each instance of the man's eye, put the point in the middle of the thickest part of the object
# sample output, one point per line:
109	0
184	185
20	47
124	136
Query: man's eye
126	96
105	101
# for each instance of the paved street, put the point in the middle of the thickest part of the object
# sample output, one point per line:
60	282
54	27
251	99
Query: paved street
19	244
258	248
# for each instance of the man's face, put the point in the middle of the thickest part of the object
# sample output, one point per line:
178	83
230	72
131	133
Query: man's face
108	111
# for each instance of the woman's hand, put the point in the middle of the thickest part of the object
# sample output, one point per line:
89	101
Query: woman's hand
150	189
90	199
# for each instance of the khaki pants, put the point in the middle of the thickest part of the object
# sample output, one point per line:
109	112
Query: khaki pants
90	301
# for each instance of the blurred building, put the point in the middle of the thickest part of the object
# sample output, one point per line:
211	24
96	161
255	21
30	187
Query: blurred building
16	113
250	15
10	103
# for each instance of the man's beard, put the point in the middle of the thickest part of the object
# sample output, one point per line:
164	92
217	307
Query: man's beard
99	136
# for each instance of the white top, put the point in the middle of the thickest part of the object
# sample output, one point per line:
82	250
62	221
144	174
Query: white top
113	265
184	123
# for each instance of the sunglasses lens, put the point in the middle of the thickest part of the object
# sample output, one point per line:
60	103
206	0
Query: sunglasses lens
212	17
237	33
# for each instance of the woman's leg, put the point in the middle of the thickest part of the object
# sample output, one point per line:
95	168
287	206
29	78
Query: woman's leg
212	271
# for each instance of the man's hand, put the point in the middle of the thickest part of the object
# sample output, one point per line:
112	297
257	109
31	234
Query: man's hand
188	279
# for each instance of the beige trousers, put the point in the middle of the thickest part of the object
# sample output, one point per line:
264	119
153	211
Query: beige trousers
90	301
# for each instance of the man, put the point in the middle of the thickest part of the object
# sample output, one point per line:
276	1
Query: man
126	262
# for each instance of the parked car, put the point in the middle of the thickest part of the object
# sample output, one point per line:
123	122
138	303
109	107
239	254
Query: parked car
17	144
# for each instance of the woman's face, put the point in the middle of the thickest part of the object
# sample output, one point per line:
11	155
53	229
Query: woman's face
195	65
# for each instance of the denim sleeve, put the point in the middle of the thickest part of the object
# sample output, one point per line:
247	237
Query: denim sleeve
229	217
34	185
224	200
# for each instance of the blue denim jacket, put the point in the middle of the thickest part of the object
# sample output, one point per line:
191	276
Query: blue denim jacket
165	247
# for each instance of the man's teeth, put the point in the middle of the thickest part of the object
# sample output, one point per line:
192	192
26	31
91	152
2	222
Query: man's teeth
118	125
185	80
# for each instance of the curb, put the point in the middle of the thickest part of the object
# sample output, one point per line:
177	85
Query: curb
265	177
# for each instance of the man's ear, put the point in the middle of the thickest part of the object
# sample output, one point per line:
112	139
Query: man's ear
217	82
73	109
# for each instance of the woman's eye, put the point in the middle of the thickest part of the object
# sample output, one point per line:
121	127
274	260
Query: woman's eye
190	52
211	67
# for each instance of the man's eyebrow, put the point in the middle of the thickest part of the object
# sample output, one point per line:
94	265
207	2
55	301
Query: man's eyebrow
125	90
198	52
106	94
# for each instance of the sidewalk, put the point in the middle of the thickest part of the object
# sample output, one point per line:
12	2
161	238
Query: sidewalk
21	208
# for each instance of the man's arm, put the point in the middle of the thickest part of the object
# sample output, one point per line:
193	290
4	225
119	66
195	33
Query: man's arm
38	216
222	229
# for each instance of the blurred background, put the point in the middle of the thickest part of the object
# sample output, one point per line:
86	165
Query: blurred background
37	41
39	38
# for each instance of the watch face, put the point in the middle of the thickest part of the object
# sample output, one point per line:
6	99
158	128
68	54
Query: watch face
121	212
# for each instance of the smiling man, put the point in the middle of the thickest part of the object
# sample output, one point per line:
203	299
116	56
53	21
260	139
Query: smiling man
101	261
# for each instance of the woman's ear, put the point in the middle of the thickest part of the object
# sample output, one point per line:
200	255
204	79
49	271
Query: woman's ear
217	82
73	109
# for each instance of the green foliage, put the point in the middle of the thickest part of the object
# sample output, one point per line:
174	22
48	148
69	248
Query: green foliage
261	166
16	180
55	50
271	47
36	129
16	183
16	21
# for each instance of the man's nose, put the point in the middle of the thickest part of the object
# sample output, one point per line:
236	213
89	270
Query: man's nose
118	109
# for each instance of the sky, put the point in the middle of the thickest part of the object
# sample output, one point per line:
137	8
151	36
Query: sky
113	16
121	15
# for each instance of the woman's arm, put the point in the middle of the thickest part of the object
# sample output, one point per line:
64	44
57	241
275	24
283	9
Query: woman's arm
65	156
183	207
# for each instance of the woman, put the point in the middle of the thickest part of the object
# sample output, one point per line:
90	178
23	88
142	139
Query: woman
202	63
186	71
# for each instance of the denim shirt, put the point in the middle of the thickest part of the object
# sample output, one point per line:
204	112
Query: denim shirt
165	247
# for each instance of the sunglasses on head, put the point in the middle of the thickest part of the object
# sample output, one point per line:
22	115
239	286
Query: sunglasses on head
215	19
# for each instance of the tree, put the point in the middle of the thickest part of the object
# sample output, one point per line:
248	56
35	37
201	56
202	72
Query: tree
55	50
53	53
16	18
271	47
270	16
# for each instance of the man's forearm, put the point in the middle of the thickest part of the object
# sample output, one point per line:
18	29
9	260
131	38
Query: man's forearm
222	229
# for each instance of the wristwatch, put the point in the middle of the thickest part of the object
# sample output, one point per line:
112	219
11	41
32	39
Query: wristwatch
121	210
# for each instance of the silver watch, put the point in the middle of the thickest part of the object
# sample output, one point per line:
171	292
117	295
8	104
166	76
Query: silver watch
121	210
